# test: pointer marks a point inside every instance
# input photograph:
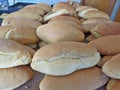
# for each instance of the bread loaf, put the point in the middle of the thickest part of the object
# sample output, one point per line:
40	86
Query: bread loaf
113	84
87	79
13	54
20	21
107	45
60	31
112	67
12	78
62	58
106	28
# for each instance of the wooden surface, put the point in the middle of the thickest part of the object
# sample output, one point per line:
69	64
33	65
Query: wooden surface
104	5
33	84
118	16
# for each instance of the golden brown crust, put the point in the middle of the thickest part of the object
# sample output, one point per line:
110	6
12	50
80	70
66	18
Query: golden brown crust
20	21
87	79
107	45
106	28
111	68
113	84
17	77
60	31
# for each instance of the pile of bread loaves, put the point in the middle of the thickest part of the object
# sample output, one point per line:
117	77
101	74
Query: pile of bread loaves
78	47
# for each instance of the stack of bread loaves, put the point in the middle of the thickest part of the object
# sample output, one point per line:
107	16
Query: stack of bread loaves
70	62
109	46
21	25
67	59
90	17
12	56
61	8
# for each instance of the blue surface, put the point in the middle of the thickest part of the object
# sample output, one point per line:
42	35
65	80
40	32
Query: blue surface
115	10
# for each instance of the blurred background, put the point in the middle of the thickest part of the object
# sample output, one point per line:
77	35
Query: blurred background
50	2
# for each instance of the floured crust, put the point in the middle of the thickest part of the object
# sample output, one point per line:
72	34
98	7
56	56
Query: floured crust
64	65
64	57
13	54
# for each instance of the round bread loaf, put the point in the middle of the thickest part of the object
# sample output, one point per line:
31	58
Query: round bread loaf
95	13
36	10
28	15
63	18
105	29
112	67
20	21
87	79
13	54
96	20
81	8
107	45
62	58
12	78
60	31
113	84
21	34
45	7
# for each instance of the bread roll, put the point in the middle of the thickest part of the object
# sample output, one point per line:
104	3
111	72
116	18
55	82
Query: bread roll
61	4
59	31
45	7
112	67
13	54
84	11
63	58
23	35
80	8
104	60
113	84
36	10
106	28
64	18
96	20
95	13
12	78
107	45
55	14
28	15
20	21
64	6
87	79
